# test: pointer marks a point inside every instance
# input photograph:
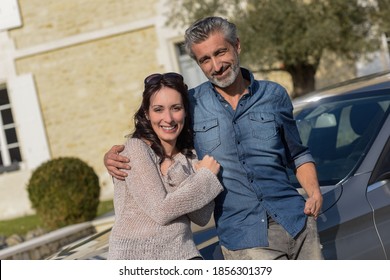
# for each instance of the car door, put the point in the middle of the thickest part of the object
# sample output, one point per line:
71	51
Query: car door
340	132
378	190
357	226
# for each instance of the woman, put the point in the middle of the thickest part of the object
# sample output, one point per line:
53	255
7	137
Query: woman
167	187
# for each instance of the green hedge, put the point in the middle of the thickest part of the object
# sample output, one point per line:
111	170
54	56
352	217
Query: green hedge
64	191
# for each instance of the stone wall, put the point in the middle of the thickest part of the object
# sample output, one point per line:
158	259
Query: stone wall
46	21
89	92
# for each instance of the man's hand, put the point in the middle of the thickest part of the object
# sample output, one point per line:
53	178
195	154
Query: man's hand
114	162
313	205
307	177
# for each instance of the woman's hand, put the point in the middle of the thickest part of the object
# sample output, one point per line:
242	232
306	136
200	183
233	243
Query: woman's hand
210	163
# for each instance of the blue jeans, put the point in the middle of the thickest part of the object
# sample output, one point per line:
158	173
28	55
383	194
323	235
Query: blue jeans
306	246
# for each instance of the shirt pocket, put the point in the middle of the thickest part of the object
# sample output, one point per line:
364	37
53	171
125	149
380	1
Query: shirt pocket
206	136
263	125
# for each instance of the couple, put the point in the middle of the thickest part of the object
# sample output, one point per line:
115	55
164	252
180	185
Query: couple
248	127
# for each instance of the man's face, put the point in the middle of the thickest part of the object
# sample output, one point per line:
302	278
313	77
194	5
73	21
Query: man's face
218	59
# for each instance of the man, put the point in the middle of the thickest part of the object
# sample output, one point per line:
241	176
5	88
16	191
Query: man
248	127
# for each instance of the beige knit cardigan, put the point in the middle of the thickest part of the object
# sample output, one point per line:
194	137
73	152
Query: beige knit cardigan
153	212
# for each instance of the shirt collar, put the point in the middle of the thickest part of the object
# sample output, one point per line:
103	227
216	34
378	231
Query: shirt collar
248	75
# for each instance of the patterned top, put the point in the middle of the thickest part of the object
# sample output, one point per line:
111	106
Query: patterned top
153	212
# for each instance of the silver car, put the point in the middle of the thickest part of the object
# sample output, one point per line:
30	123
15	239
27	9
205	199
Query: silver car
347	130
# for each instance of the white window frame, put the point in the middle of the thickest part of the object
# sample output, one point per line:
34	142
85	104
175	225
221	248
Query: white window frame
29	122
7	164
9	14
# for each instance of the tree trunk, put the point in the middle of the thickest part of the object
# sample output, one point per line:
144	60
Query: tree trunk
303	77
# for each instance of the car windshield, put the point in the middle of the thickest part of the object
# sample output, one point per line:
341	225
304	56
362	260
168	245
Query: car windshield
339	131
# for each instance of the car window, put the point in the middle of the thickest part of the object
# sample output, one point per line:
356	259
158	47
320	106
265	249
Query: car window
339	132
382	168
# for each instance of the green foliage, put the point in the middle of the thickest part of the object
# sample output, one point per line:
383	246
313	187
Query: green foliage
293	35
19	225
383	15
22	225
299	31
64	191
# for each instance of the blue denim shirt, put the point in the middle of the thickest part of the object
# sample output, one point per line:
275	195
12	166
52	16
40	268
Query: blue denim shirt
254	145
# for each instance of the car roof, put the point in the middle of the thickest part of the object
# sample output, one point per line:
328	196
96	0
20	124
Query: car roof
372	82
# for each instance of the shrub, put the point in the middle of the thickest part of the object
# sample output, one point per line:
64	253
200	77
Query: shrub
64	191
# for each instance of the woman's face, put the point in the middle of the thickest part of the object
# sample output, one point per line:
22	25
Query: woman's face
166	114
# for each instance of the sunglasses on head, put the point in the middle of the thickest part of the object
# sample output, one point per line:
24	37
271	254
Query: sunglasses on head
156	78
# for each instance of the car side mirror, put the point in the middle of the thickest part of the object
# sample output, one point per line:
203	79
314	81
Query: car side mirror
325	120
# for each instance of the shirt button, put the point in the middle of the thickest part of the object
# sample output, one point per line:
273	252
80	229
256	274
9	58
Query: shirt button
262	220
238	142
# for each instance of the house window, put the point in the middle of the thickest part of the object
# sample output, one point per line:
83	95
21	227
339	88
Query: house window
9	146
193	75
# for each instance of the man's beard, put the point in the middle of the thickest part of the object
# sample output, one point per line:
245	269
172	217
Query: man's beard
229	80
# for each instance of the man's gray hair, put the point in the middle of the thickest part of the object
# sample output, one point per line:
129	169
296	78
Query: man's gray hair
203	28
